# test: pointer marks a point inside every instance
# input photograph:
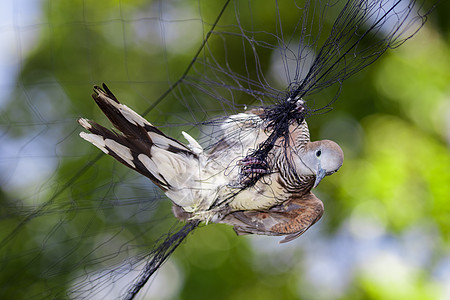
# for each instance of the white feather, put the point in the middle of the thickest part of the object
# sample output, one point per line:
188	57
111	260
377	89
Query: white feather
95	139
193	144
132	116
85	123
161	141
128	113
171	166
121	151
151	166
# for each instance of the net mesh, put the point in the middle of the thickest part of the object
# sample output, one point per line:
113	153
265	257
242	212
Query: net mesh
77	224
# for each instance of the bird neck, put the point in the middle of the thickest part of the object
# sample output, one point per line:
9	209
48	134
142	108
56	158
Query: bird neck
289	175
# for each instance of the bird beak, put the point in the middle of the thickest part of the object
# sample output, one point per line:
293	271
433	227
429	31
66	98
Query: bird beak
320	175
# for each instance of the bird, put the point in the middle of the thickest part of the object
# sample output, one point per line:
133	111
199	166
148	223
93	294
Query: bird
211	185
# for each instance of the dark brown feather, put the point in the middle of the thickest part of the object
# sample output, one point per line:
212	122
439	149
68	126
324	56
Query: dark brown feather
136	147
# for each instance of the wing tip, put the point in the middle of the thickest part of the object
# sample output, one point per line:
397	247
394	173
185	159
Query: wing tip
85	123
95	139
105	92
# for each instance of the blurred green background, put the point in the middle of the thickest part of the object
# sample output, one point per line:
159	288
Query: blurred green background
67	212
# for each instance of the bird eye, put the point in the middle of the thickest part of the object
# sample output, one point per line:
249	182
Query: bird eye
318	153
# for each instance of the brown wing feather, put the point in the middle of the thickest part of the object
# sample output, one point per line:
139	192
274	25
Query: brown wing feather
292	218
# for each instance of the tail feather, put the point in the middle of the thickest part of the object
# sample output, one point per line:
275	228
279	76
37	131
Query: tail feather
140	145
131	124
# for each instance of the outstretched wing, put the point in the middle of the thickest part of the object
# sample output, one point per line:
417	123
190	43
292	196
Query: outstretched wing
140	146
292	218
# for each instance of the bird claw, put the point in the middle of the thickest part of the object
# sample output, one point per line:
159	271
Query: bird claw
250	164
252	169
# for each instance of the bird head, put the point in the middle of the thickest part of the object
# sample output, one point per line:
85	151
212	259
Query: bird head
320	158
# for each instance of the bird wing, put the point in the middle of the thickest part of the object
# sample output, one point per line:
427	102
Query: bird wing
140	146
292	218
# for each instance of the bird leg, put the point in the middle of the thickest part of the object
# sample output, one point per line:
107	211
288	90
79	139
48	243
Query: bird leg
251	170
250	165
